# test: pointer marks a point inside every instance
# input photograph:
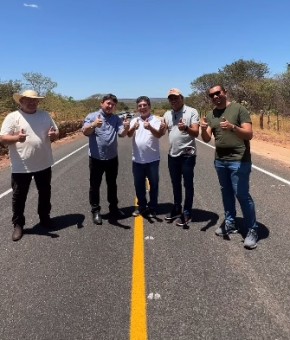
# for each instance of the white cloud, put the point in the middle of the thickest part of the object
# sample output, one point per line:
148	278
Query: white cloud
30	5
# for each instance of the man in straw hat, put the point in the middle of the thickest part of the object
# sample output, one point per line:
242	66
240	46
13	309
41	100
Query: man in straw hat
28	132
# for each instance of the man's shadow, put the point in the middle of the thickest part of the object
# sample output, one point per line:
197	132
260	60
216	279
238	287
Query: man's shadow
116	221
57	223
200	216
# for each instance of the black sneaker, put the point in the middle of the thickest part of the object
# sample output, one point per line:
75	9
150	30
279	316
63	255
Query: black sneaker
226	229
138	211
183	220
151	213
175	213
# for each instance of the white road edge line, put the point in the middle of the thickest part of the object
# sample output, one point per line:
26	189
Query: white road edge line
256	167
55	163
283	180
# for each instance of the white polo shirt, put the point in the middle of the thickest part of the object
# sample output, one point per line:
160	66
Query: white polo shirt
145	145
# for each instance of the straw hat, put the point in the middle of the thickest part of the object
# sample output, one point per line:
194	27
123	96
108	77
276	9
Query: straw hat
27	94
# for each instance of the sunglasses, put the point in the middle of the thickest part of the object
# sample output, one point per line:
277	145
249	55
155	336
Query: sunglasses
217	93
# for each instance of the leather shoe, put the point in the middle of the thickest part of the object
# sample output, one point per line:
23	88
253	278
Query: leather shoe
17	233
97	218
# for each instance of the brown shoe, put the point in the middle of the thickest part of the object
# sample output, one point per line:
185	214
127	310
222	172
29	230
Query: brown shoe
17	233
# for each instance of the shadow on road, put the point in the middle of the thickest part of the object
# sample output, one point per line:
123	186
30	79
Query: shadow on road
57	223
205	216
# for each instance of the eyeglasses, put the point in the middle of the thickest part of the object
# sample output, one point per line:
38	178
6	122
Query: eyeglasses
173	98
217	93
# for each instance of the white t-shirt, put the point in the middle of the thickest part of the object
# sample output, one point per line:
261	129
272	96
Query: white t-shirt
35	153
145	145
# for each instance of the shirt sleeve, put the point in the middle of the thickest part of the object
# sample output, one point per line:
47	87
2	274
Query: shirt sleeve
194	119
8	125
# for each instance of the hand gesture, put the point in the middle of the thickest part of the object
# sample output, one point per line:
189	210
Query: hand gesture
146	124
126	123
225	124
52	134
182	124
162	125
204	123
98	122
137	124
21	136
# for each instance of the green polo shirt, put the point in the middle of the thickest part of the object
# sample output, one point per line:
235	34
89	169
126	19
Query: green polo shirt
229	147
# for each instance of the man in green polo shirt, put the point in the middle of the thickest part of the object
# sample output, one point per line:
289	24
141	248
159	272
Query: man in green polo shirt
231	125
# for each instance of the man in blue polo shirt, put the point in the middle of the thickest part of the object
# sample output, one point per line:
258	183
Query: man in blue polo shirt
103	128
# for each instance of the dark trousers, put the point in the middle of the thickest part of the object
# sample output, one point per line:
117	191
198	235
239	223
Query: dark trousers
182	166
20	183
97	169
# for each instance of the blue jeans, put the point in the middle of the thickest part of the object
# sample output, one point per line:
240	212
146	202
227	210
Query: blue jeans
140	172
234	179
182	166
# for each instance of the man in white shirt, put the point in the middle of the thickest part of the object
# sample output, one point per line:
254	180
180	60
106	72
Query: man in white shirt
146	131
28	132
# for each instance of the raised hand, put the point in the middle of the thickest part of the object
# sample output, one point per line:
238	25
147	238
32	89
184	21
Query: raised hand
225	124
126	123
22	136
137	124
146	124
52	134
182	124
162	125
204	123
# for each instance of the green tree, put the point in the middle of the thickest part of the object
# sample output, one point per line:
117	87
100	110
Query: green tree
39	83
7	89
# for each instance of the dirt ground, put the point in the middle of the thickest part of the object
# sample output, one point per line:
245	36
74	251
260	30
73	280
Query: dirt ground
272	149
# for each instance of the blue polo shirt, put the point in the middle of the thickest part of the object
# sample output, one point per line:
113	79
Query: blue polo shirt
103	142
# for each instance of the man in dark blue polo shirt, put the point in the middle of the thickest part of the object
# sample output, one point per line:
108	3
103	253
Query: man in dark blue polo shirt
103	128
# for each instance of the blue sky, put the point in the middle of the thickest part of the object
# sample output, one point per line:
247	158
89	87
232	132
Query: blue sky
138	47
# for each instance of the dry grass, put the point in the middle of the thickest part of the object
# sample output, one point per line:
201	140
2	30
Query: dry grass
275	131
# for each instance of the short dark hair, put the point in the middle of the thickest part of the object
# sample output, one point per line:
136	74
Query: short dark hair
143	99
220	85
110	96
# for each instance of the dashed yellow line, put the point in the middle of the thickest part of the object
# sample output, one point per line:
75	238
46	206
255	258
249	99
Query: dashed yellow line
138	325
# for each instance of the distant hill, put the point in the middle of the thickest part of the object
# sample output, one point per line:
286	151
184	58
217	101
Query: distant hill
153	100
130	100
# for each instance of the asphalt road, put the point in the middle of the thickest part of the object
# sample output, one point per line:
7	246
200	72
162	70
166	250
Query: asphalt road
75	281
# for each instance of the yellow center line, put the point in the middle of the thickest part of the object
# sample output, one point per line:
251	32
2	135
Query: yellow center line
138	326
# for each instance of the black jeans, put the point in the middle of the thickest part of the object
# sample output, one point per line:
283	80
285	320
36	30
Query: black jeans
20	183
97	169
